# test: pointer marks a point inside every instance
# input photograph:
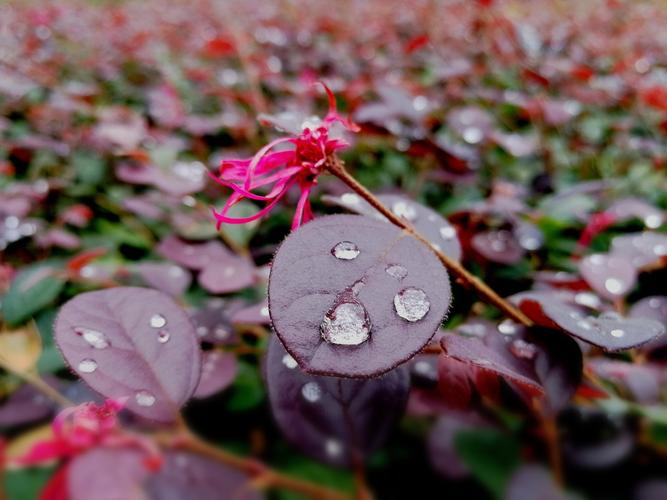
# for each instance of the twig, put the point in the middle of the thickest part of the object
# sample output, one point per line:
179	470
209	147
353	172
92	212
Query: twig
38	383
336	166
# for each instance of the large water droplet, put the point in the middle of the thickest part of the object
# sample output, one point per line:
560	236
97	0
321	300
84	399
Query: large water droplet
411	304
405	210
96	339
345	250
289	361
87	365
507	327
158	321
144	398
163	336
311	391
396	271
346	323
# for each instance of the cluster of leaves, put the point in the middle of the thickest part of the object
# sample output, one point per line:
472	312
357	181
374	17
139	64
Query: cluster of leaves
528	143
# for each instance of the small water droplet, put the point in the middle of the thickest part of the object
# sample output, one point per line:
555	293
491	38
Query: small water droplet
653	221
584	324
587	299
333	447
617	332
613	285
87	272
163	336
289	361
411	304
356	288
220	332
350	198
87	365
347	323
311	392
396	271
96	339
654	303
144	398
472	135
175	272
522	349
202	331
158	321
405	210
472	330
447	232
345	250
424	368
507	327
596	260
660	250
264	312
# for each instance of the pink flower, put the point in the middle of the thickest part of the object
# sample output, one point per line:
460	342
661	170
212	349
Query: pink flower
76	430
278	171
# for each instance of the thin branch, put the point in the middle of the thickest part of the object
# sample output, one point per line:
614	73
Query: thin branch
38	383
337	168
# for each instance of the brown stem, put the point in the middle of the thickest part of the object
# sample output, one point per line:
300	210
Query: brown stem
336	167
263	476
38	383
550	432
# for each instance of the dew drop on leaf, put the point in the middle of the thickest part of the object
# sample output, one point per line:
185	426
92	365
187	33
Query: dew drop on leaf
396	271
144	398
346	323
158	321
87	365
405	210
617	332
289	361
333	447
345	250
311	392
96	339
163	336
522	349
411	304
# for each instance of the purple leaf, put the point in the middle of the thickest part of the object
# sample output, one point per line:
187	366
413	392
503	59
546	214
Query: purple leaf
654	308
353	296
218	371
107	474
335	420
635	208
168	278
534	481
611	277
187	475
609	330
256	314
642	382
191	255
27	405
498	246
433	226
213	324
132	342
641	249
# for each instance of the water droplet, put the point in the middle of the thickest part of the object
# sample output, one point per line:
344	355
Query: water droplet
158	321
311	391
87	365
175	272
522	349
411	304
356	288
584	324
472	135
660	250
264	312
613	285
144	398
229	272
163	336
653	221
96	339
202	331
472	330
447	232
507	327
405	210
587	299
596	260
350	198
347	323
289	361
333	447
396	271
87	272
424	368
654	303
345	250
220	332
617	332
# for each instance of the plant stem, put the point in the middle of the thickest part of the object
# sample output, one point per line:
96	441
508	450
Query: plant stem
336	166
264	476
38	383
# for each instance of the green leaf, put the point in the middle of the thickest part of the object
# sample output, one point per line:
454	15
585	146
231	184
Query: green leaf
247	390
34	288
297	465
25	484
241	233
490	455
90	169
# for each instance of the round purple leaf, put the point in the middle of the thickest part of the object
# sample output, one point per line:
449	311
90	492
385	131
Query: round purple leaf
353	296
611	277
218	370
171	279
133	343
